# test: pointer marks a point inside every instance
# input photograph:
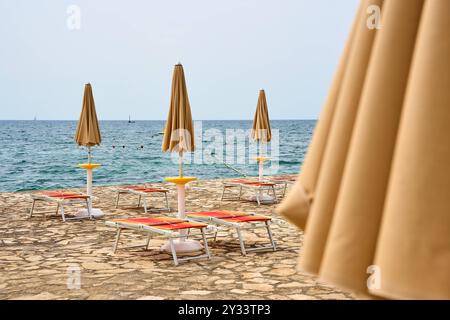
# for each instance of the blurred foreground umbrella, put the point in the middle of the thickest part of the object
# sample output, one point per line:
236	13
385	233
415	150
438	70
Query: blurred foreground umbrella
374	189
179	137
88	135
261	129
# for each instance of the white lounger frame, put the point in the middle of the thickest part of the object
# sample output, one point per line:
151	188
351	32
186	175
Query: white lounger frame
239	227
285	184
257	188
171	235
142	196
60	203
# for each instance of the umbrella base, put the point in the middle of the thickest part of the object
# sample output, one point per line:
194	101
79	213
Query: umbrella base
263	198
95	213
182	246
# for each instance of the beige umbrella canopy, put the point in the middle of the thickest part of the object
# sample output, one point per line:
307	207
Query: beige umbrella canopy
178	131
261	130
88	131
261	125
374	190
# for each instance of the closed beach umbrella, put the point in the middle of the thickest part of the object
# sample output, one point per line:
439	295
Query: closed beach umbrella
373	193
178	131
88	135
88	130
261	125
261	128
179	137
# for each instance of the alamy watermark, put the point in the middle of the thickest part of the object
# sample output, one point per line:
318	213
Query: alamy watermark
73	277
374	280
374	19
230	146
73	21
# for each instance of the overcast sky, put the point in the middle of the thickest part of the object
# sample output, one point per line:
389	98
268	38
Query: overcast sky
126	49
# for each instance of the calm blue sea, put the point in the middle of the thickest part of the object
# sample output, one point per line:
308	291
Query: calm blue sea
42	154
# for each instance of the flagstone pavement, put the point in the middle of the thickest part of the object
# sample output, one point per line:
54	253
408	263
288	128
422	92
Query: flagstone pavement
40	259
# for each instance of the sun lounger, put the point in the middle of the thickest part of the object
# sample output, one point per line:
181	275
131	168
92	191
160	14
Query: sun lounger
143	192
162	226
238	221
257	186
61	199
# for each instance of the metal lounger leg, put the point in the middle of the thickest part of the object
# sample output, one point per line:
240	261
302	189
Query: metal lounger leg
258	192
145	204
284	190
205	243
116	242
223	193
32	208
117	199
241	241
174	253
61	206
269	232
274	195
57	208
167	201
139	201
148	241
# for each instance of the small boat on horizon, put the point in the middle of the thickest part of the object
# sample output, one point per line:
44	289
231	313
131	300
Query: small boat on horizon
129	120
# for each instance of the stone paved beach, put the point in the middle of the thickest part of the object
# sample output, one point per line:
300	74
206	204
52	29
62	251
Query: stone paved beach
38	257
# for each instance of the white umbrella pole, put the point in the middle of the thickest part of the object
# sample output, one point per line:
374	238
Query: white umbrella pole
261	159
181	163
260	163
89	155
181	190
89	180
89	175
183	244
89	167
261	170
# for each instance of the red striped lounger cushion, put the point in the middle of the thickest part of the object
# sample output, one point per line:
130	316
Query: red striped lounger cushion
182	225
231	216
253	183
248	219
150	190
217	214
144	189
284	178
163	223
63	195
